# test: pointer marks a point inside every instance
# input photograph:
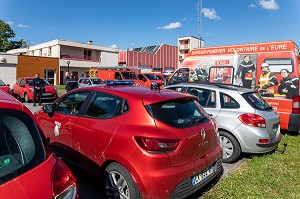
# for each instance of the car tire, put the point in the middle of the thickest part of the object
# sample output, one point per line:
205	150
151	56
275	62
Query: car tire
231	147
115	174
26	98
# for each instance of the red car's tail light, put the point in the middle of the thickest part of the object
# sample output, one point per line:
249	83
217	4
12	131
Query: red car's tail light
64	185
253	120
296	105
157	145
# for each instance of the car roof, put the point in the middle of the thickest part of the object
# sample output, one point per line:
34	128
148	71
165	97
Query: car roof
216	86
8	101
139	93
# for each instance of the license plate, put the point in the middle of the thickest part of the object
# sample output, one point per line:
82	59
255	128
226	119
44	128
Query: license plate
202	175
47	94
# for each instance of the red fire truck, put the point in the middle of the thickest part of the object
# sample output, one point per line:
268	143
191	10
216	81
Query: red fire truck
246	65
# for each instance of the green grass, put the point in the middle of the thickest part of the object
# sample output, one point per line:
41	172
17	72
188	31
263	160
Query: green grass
61	89
273	175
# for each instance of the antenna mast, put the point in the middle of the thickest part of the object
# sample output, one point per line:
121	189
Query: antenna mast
200	23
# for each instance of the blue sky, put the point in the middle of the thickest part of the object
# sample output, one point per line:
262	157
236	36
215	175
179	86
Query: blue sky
136	23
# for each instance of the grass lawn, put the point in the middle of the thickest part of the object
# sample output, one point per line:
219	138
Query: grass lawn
61	89
273	175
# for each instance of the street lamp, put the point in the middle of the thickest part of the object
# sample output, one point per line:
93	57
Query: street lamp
68	62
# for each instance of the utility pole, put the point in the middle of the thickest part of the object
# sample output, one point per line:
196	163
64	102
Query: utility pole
200	23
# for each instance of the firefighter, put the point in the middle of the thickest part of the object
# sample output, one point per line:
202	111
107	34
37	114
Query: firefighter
288	86
201	75
246	69
267	81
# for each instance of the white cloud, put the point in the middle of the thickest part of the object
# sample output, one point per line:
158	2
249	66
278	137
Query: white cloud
170	26
252	5
210	13
114	46
269	4
184	19
10	23
22	26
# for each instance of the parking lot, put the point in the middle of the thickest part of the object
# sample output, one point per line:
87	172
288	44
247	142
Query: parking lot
89	188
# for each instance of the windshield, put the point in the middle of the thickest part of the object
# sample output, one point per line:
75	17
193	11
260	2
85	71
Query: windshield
97	81
256	101
151	76
2	83
21	146
129	75
182	113
29	82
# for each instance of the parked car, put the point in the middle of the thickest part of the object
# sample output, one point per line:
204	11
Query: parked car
23	88
83	82
28	168
147	143
246	122
154	78
5	87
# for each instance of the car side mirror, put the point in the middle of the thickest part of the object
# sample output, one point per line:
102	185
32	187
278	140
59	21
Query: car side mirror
49	108
7	84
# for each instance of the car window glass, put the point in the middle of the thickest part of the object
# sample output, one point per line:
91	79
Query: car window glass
180	113
22	81
228	102
29	82
1	83
206	97
20	144
45	83
118	76
72	103
179	88
256	101
96	81
103	106
86	81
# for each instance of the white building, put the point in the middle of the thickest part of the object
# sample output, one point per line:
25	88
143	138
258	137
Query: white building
8	65
186	45
79	57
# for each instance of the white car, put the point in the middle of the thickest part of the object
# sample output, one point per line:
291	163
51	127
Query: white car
246	122
83	82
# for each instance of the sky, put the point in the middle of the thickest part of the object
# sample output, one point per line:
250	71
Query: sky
137	23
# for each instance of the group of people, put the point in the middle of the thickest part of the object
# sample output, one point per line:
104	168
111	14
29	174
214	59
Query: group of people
38	86
287	86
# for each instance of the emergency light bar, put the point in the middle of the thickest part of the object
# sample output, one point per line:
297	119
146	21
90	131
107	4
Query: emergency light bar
118	82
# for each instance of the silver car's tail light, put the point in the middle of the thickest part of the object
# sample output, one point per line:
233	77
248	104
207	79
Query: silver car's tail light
253	120
264	141
296	105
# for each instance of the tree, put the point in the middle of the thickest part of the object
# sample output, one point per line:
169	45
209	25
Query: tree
6	33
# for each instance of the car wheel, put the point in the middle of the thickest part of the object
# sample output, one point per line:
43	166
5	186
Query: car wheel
26	99
119	184
231	147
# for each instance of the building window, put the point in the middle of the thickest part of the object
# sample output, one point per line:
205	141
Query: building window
40	52
88	54
49	76
49	51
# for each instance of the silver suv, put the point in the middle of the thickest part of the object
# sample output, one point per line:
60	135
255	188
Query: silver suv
246	122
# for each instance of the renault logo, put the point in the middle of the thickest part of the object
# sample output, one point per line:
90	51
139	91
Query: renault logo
203	133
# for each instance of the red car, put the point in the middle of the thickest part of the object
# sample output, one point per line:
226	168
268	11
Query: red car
23	89
28	168
146	143
5	87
